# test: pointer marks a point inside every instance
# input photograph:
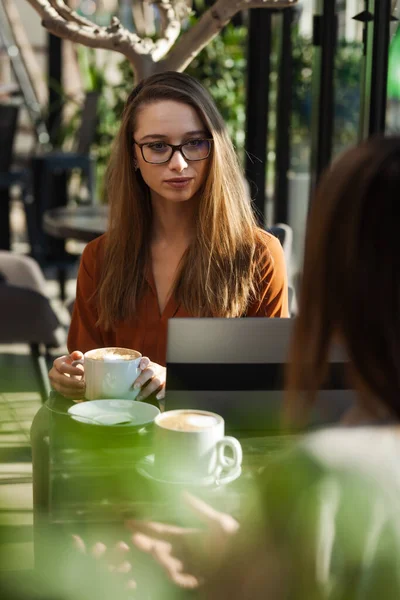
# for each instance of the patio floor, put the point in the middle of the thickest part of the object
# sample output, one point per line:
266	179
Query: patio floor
16	414
19	402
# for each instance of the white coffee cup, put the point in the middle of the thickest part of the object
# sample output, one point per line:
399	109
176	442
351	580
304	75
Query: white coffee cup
110	373
190	446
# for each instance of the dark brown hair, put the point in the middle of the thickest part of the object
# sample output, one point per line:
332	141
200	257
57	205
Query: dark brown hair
351	280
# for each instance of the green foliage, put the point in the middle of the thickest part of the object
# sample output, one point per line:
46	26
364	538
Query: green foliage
394	67
112	97
111	103
302	59
347	94
347	97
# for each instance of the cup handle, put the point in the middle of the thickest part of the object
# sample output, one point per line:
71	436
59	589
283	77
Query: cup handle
231	466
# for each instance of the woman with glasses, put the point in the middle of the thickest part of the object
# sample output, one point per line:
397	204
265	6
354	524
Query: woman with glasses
182	239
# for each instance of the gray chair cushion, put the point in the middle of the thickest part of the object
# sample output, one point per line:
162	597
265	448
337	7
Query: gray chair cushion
27	317
22	271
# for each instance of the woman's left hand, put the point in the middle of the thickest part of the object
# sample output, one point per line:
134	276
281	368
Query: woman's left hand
151	380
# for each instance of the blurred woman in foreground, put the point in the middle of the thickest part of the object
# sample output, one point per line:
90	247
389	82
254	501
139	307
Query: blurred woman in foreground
327	520
345	508
351	283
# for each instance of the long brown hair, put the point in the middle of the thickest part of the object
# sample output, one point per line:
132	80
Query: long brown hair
351	279
217	276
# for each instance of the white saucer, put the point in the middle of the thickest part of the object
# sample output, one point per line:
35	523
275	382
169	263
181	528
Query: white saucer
146	467
114	413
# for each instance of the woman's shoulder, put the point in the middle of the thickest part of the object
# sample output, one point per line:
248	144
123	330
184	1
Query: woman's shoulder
269	249
94	250
270	260
367	449
368	453
333	468
265	239
92	260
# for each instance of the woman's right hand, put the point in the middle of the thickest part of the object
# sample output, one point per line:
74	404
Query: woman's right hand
66	379
184	553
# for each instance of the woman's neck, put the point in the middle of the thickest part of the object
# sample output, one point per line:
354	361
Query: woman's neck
173	222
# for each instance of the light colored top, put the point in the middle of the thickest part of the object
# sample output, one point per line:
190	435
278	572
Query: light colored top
336	497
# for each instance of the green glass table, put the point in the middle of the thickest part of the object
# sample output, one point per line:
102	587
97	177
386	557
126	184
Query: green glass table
86	476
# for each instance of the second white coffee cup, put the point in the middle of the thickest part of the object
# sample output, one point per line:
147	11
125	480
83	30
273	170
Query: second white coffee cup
190	446
110	373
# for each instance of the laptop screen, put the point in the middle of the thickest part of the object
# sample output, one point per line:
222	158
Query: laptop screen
235	367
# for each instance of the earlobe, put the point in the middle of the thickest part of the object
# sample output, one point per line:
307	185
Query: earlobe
135	164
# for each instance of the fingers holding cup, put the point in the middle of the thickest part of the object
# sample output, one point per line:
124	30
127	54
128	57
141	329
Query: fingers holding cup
151	380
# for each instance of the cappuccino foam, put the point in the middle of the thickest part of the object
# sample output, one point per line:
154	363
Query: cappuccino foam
110	354
188	421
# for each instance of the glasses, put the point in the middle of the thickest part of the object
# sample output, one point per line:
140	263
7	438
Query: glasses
157	153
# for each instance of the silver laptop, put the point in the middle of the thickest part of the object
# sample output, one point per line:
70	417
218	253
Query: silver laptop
235	367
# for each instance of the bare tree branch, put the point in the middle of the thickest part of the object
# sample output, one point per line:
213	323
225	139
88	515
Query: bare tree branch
68	14
167	14
115	37
198	36
208	26
143	17
247	4
171	16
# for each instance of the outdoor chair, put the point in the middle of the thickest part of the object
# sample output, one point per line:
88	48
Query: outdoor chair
26	316
70	306
284	233
8	176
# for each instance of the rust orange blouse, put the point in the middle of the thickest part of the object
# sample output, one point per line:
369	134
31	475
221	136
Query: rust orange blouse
148	333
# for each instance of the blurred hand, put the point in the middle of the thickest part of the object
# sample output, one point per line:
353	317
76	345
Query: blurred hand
151	380
187	555
66	379
115	559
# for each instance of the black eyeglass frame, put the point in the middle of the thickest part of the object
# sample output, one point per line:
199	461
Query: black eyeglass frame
175	148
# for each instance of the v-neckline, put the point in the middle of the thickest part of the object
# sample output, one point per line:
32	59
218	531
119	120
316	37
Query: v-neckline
171	307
